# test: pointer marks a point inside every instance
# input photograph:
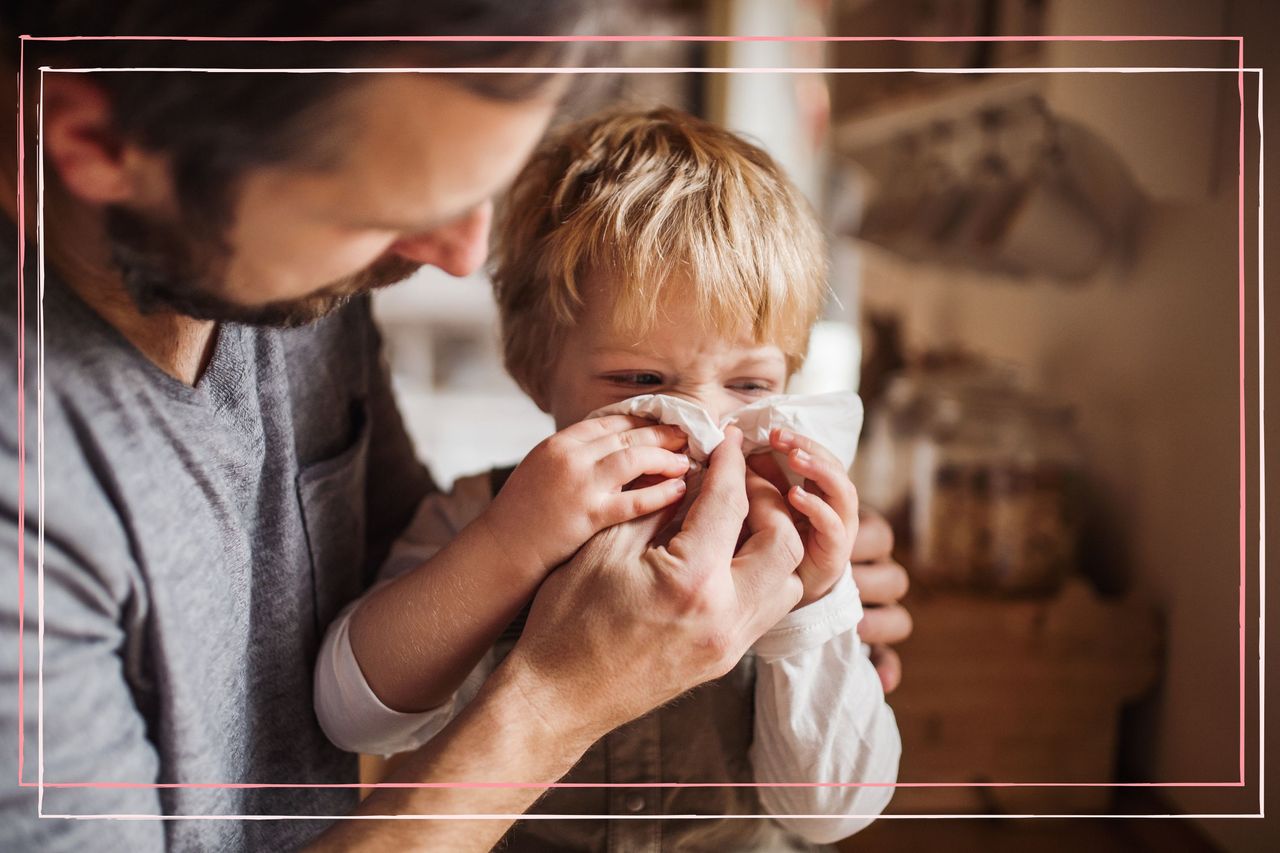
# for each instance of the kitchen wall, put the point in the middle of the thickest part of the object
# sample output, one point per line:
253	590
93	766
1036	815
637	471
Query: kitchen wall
1147	352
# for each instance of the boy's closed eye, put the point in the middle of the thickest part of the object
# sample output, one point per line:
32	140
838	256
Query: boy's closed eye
755	387
635	379
651	380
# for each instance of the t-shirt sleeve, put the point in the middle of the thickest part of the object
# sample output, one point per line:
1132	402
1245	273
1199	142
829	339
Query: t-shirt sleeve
86	727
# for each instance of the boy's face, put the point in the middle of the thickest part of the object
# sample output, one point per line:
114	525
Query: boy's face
680	356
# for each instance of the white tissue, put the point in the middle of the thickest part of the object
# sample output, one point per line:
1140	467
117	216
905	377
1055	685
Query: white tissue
832	420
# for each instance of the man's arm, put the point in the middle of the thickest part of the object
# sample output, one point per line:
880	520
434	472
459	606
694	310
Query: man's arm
91	731
495	741
622	628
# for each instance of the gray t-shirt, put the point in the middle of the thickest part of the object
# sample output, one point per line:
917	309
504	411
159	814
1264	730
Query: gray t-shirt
197	541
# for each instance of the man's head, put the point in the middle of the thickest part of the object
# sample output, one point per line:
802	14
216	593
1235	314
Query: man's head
651	251
271	197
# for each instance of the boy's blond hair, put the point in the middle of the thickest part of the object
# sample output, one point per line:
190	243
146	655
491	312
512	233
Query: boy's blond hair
653	197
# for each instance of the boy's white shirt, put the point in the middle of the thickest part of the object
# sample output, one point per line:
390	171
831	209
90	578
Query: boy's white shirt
820	713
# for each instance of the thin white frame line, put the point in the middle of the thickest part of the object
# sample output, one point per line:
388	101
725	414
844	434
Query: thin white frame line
1262	477
578	69
41	450
40	277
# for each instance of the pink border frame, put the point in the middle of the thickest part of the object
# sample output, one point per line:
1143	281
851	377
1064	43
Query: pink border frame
21	511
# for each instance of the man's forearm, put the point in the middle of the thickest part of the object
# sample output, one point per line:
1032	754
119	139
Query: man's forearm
495	743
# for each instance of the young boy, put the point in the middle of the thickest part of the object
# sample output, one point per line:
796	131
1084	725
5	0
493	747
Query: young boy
640	253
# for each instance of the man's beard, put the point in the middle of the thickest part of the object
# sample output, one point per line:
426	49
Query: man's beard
164	269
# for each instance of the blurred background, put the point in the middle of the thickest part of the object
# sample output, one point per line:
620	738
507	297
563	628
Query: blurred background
1036	293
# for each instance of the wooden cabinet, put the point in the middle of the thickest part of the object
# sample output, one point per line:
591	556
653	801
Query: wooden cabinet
1006	690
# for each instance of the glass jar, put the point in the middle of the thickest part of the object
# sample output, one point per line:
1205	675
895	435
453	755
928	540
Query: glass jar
994	492
1036	537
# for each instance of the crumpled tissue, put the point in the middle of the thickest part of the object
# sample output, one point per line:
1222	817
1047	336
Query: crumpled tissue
833	420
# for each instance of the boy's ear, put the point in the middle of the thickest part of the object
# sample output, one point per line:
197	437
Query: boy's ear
84	146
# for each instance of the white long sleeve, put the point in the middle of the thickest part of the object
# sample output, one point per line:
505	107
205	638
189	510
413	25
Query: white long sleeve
821	717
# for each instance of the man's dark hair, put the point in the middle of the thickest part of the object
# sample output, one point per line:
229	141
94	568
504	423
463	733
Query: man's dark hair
214	127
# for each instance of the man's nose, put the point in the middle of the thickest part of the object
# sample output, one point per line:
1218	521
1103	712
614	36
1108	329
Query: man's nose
458	248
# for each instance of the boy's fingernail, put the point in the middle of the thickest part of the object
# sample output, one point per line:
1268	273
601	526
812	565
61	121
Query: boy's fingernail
785	436
800	456
681	485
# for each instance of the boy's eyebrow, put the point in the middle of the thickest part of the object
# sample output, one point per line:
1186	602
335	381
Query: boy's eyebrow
606	349
622	351
750	359
759	358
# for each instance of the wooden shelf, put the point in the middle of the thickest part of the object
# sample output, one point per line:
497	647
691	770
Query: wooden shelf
953	102
1018	690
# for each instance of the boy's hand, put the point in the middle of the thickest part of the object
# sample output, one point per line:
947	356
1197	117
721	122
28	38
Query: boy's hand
826	509
653	620
571	486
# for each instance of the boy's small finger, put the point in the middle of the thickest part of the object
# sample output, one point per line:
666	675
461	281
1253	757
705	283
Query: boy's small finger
607	425
830	479
625	465
648	434
781	439
826	523
661	435
786	441
639	502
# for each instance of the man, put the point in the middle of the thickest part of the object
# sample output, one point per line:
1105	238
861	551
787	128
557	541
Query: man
222	455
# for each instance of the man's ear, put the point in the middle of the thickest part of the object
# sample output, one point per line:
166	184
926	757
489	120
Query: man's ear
81	141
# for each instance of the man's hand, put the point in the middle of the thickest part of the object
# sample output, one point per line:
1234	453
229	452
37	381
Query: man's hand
881	584
571	486
627	625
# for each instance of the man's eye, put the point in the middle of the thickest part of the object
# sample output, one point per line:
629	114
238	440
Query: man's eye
636	379
751	386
